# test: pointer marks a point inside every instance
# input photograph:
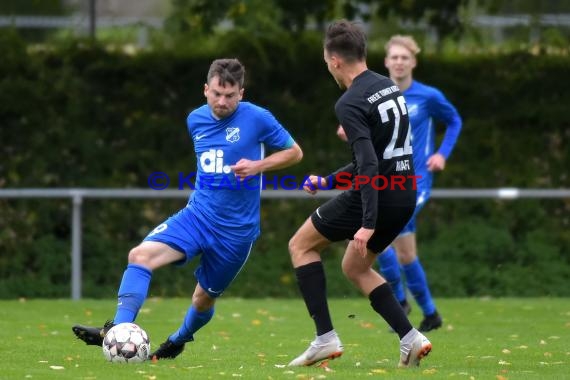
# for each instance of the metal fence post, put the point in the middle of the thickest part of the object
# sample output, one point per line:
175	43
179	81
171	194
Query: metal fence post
76	237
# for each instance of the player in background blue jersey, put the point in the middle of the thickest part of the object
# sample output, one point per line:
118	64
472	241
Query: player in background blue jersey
425	104
221	220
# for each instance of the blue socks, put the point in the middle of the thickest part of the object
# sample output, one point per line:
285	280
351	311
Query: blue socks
390	269
132	292
193	321
415	278
417	283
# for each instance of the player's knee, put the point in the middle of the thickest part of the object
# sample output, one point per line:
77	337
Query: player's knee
202	301
350	272
406	256
139	255
293	246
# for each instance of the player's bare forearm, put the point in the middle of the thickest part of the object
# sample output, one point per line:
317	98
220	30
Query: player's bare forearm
277	160
282	159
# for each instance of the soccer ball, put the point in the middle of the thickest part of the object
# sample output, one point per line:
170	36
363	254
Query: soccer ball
126	343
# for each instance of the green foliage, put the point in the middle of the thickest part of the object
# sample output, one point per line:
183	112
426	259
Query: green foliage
31	7
81	115
442	15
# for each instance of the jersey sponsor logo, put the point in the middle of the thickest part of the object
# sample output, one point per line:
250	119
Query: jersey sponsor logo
199	137
232	134
212	161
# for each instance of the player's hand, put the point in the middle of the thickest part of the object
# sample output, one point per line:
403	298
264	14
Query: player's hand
245	168
436	162
361	238
341	133
312	184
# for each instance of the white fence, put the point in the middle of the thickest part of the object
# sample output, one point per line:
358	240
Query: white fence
77	195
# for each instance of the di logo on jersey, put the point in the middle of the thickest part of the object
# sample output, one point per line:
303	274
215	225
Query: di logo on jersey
232	134
212	161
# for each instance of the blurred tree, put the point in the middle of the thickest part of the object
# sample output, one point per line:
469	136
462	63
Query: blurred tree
198	16
441	15
31	7
298	13
202	16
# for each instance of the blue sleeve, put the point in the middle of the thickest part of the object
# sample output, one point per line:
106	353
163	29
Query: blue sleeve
441	109
272	132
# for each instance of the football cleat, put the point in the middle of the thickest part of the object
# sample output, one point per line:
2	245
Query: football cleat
410	355
318	352
167	350
92	336
431	322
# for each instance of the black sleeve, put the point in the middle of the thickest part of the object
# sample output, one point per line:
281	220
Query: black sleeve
367	164
345	169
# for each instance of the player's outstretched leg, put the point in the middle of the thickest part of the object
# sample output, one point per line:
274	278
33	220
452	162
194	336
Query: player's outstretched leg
92	336
414	346
174	345
417	282
167	350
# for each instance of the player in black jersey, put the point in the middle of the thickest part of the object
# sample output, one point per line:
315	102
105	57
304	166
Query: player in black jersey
380	202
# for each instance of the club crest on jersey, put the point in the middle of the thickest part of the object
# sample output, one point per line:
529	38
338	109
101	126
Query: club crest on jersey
232	134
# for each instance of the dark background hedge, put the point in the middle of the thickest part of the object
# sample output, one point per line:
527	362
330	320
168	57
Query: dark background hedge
81	116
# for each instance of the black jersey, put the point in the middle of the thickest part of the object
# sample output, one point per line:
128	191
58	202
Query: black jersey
375	119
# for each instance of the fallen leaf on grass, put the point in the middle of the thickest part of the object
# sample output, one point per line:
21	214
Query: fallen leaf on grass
325	365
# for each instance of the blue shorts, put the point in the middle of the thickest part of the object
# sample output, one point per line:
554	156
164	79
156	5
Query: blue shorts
422	198
221	259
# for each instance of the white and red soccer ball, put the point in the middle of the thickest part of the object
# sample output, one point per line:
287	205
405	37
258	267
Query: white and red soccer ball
126	343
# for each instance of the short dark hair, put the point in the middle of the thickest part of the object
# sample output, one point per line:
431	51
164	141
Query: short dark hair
347	40
228	70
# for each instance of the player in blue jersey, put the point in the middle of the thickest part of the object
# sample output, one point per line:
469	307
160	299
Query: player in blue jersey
426	105
221	220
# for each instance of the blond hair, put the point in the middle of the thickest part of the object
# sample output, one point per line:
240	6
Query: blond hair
406	41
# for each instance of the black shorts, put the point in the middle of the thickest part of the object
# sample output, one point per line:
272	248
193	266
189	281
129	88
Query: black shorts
339	219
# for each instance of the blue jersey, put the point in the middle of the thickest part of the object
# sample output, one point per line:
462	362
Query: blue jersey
226	204
425	104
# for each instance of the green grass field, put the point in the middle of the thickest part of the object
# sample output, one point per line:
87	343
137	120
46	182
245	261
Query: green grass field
255	339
